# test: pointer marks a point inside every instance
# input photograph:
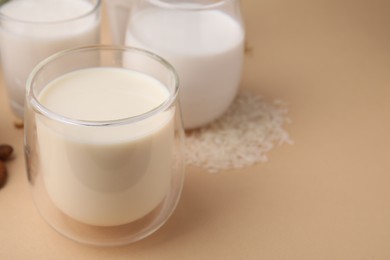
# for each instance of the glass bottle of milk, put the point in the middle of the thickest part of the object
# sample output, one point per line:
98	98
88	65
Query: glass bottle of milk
31	30
204	40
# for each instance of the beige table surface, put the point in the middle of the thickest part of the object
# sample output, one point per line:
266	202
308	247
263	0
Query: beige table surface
325	197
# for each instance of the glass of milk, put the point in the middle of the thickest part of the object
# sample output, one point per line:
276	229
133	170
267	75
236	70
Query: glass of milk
104	143
203	40
31	30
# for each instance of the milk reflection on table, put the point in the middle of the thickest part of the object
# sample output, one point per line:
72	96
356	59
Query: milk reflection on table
106	176
205	47
32	30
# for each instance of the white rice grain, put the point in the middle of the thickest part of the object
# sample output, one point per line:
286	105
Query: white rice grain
242	137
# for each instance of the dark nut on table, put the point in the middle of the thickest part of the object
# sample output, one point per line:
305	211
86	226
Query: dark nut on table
5	151
19	124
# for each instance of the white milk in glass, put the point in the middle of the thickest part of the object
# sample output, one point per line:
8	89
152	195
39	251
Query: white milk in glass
40	28
110	175
206	49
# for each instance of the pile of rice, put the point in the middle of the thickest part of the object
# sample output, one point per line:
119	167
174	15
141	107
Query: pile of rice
242	137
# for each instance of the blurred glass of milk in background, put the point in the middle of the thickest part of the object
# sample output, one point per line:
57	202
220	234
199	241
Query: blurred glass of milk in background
31	30
202	39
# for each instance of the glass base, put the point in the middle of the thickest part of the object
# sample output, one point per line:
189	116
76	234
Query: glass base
100	235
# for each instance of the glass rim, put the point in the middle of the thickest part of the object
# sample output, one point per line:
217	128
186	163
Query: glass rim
19	20
173	6
38	107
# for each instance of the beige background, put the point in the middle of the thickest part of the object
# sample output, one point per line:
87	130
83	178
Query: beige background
325	197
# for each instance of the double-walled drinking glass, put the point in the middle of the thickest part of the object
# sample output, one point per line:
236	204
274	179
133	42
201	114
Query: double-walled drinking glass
32	30
104	143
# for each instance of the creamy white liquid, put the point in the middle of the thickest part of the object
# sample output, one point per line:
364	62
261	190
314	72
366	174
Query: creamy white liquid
111	175
206	49
42	30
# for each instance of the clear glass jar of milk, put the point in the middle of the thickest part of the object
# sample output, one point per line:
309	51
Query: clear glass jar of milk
204	40
31	30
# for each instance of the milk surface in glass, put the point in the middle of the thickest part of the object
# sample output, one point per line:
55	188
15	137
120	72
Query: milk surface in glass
31	30
206	49
106	176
